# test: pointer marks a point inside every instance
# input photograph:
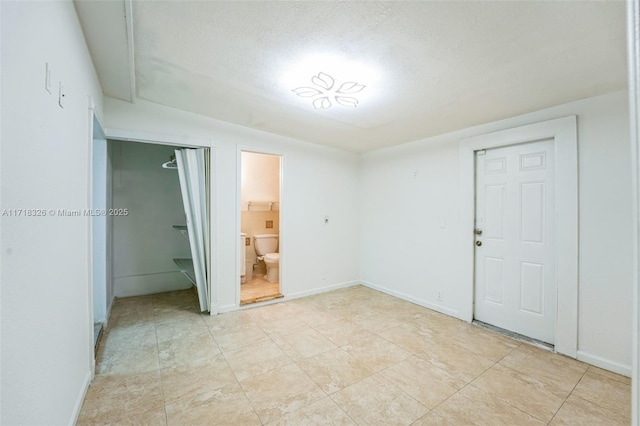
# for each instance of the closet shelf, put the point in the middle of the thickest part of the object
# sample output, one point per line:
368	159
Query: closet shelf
186	267
183	230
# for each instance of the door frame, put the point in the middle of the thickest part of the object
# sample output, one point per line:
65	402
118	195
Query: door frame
282	226
135	136
633	36
563	131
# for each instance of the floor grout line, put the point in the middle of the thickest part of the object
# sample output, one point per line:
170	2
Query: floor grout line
324	311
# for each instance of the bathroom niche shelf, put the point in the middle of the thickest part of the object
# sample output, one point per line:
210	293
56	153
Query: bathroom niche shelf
185	264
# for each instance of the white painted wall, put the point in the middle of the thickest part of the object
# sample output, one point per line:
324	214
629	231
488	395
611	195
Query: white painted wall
410	191
144	241
46	322
317	181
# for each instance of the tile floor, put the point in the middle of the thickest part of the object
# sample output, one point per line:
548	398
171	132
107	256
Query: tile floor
353	356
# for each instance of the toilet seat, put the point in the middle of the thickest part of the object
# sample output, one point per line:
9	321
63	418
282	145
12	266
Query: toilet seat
272	257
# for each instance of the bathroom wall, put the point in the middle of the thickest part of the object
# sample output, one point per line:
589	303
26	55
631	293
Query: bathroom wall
144	241
260	178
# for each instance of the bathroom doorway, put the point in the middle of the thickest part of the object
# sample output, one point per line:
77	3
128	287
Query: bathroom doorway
259	245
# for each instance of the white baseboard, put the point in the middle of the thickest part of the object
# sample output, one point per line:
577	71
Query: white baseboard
321	289
421	302
230	308
605	364
109	308
80	399
139	285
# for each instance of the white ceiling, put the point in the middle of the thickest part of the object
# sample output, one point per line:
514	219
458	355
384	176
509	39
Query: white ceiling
437	66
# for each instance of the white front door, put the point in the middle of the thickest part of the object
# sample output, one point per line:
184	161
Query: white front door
515	283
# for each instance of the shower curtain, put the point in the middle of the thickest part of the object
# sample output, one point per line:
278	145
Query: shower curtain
194	173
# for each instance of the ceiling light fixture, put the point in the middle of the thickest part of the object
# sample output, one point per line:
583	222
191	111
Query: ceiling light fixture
325	90
327	80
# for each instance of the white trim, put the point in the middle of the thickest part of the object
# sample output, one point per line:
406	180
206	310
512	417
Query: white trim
157	138
281	222
213	226
604	363
420	302
564	133
633	43
81	396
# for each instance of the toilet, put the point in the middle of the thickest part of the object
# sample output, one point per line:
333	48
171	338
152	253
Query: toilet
266	246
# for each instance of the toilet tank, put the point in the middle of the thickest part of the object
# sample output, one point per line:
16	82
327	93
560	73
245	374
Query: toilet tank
265	243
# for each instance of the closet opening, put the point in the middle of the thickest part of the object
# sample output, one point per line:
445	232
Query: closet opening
158	220
259	256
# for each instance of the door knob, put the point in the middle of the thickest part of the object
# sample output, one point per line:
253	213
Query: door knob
478	243
477	231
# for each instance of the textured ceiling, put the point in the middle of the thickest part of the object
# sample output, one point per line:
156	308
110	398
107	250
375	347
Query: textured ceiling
433	66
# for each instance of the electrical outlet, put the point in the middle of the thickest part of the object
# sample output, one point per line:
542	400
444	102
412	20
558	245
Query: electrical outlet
439	296
269	224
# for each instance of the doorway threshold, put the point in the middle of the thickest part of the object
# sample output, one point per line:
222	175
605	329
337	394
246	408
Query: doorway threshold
534	342
260	299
